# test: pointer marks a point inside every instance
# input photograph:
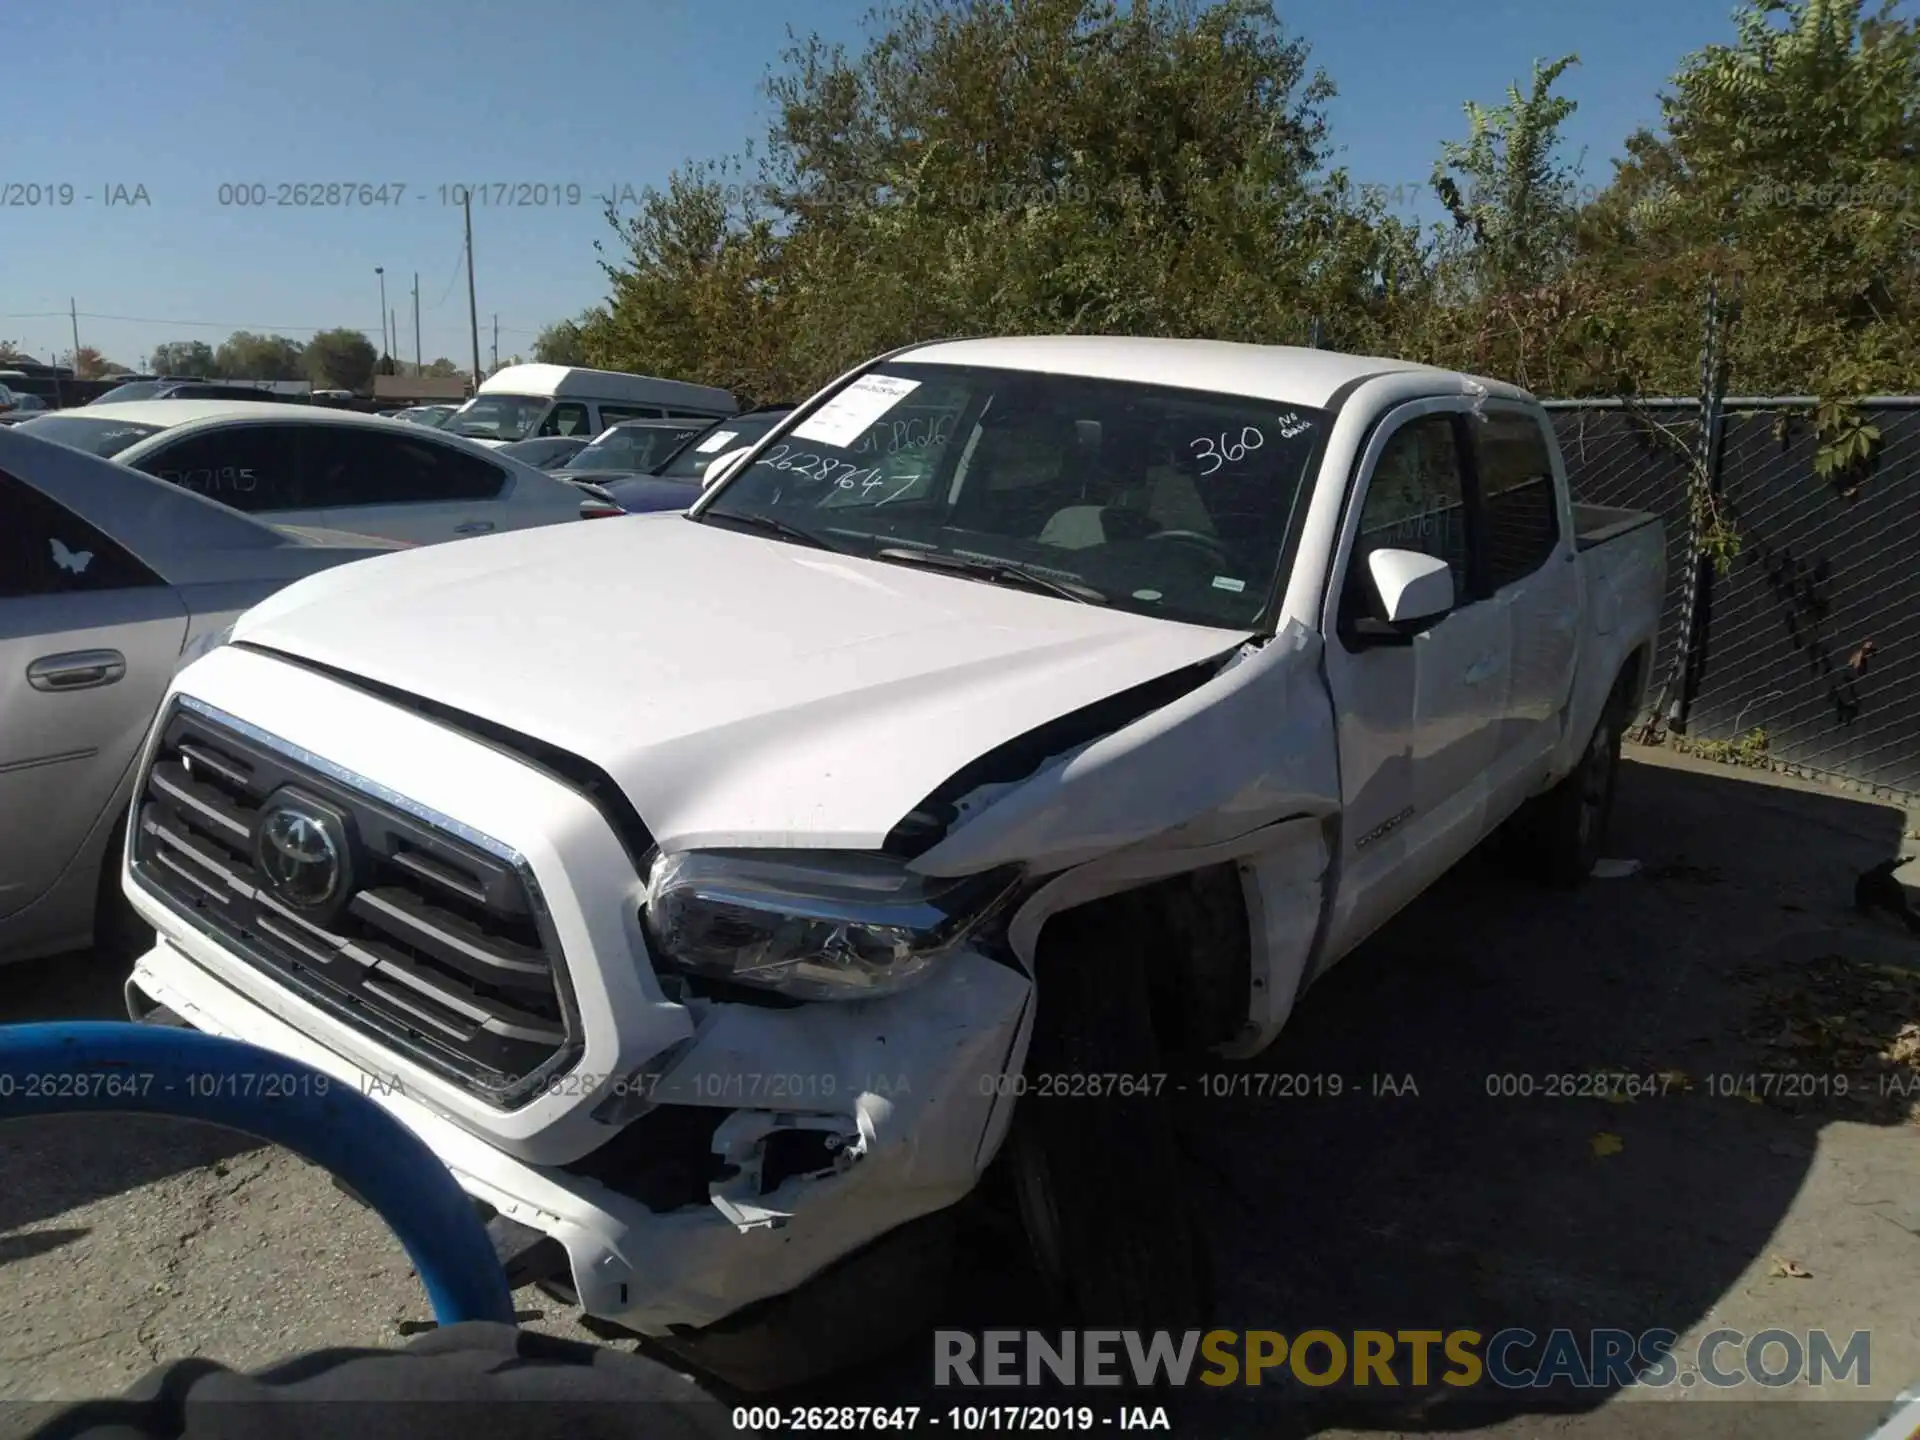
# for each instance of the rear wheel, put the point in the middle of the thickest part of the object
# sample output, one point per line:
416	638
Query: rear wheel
1097	1170
1558	837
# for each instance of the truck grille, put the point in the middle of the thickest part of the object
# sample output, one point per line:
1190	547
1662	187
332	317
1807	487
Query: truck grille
430	942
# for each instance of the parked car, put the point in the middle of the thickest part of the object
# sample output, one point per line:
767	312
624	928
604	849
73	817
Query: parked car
18	405
633	447
960	773
520	402
109	581
433	415
546	452
676	484
140	390
309	465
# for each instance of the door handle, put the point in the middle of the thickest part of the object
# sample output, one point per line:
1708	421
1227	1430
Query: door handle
473	527
76	670
1482	669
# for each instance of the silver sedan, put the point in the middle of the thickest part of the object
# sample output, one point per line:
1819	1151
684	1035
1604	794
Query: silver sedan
109	582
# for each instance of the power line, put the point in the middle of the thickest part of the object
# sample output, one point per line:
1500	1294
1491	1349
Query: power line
457	261
184	324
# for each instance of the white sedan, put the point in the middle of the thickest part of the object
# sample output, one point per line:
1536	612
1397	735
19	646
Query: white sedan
109	582
308	465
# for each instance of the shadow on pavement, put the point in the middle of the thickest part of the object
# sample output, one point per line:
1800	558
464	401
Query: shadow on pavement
1487	1184
51	1165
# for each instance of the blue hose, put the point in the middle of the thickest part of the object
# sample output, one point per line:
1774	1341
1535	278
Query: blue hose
59	1069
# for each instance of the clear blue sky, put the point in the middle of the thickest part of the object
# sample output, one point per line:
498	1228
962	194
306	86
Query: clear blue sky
183	97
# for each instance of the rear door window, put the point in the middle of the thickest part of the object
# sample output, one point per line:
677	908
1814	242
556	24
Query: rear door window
255	468
349	466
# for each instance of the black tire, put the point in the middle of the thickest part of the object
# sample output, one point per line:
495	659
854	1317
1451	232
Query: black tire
119	934
1098	1178
1559	836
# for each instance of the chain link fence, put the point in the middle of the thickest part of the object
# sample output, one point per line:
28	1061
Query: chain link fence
1809	647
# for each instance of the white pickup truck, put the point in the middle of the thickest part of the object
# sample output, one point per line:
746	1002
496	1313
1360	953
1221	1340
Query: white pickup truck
1017	719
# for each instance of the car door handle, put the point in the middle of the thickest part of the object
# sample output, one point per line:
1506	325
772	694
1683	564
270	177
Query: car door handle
77	670
1483	669
473	527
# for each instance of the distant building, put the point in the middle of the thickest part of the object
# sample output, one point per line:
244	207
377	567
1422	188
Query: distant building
419	389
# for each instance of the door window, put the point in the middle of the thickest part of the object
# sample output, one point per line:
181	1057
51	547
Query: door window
1416	500
250	467
568	417
1517	495
347	466
614	414
45	549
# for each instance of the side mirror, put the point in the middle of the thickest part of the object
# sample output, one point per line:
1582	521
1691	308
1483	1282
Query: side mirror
718	470
1412	592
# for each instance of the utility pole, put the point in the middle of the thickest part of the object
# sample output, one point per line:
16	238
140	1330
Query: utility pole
496	341
473	308
417	367
73	314
381	271
394	317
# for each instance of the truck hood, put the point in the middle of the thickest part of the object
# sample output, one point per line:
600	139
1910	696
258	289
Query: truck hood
741	690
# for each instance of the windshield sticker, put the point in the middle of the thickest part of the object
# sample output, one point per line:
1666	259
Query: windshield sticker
848	416
717	442
1229	584
1292	425
1213	451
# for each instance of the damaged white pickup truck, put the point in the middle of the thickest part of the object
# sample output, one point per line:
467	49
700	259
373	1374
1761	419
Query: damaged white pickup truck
721	896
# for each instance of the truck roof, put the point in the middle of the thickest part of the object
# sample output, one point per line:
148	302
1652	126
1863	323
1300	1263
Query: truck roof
571	380
1288	373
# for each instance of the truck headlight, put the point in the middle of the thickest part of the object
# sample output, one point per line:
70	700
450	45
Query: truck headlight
813	925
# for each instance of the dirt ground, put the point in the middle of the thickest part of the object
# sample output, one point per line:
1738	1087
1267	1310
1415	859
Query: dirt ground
1734	950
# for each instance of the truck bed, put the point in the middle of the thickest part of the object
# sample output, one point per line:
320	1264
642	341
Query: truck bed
1597	524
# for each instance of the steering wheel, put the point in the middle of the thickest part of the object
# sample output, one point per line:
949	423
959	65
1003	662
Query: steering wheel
1199	540
61	1069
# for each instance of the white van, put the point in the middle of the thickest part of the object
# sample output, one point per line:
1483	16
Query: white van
523	401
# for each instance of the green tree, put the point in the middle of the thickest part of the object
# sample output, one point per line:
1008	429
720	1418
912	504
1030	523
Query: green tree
1048	165
183	357
13	350
565	341
89	364
1791	158
341	360
246	356
443	369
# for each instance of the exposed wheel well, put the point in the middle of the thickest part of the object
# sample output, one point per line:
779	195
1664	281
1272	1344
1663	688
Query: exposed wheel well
1194	931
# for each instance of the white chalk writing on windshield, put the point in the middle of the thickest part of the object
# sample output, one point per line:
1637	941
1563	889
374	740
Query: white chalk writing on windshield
1292	425
1221	450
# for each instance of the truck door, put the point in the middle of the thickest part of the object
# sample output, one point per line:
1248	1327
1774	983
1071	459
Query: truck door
1531	574
1417	719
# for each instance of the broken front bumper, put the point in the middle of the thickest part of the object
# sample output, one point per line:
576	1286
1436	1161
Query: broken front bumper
902	1100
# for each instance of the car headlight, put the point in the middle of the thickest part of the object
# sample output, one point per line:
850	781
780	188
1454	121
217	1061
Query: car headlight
813	925
204	644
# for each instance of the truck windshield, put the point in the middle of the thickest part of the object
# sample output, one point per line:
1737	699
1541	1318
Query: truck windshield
1174	503
498	417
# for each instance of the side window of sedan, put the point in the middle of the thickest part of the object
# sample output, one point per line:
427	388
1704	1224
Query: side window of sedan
45	549
350	466
255	468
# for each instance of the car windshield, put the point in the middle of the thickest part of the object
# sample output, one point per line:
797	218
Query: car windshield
96	437
1172	503
691	462
132	390
634	447
498	417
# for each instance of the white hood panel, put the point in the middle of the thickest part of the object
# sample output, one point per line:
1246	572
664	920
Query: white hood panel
741	690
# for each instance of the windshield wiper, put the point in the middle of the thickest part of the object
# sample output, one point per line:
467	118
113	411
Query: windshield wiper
1004	572
768	525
